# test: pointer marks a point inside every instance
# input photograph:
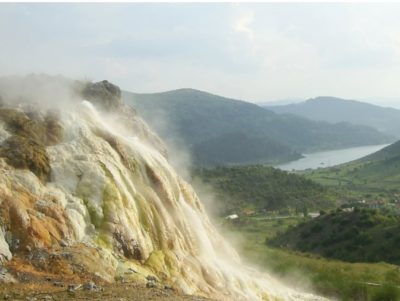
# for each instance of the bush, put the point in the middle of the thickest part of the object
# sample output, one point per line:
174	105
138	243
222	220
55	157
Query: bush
386	293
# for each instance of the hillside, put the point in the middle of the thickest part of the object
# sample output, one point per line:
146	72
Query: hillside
333	110
389	152
378	172
219	130
263	188
88	197
358	236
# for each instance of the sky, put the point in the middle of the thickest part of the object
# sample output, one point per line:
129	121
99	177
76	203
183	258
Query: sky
256	52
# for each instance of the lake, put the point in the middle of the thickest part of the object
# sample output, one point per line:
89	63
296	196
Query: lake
330	158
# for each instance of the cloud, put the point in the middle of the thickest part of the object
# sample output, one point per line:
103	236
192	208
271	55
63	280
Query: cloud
253	52
242	25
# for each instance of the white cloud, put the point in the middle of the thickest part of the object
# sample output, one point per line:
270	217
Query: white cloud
243	25
253	52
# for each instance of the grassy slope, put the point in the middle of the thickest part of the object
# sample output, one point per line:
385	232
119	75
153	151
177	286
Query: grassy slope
378	173
332	278
362	235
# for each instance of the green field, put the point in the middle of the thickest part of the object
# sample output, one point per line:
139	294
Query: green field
332	278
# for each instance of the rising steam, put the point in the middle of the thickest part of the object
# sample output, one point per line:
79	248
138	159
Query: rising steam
111	188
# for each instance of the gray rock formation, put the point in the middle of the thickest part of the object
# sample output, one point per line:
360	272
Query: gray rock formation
103	94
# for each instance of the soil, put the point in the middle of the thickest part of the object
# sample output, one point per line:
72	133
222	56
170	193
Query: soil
114	292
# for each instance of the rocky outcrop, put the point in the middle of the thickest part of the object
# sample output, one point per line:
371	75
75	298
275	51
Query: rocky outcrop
103	94
89	195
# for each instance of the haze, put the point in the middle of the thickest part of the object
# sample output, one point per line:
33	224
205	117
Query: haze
259	52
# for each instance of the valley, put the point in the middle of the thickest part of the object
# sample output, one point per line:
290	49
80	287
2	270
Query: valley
216	130
344	247
188	151
316	231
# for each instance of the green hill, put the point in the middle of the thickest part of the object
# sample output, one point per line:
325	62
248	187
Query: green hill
377	173
219	130
261	187
332	109
358	236
389	152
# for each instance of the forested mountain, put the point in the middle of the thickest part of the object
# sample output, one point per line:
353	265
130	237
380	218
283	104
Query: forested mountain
332	109
219	130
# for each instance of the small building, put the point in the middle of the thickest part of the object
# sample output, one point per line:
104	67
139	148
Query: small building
350	209
232	217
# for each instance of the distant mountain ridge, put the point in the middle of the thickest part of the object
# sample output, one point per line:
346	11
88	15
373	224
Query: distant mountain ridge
219	130
333	110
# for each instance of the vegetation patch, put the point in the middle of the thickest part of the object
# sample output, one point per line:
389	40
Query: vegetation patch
358	236
31	133
25	153
264	188
338	280
43	130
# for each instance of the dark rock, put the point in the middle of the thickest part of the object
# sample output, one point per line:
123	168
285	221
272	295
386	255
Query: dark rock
151	278
71	288
131	271
167	287
90	286
151	281
103	94
129	247
151	284
67	256
58	284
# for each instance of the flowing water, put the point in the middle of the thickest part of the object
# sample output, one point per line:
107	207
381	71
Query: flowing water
115	191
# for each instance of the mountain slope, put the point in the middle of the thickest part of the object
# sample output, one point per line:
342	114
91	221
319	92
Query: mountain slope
389	152
378	172
205	122
359	236
332	109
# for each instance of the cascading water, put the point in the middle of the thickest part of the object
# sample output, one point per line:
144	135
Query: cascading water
111	189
